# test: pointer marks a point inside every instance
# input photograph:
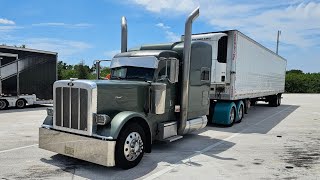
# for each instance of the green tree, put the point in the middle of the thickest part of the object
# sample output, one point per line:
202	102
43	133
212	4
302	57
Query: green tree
82	70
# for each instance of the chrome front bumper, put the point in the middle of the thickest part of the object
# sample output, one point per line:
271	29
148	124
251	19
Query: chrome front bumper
80	147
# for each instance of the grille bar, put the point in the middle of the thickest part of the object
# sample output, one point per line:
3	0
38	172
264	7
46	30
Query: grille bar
72	108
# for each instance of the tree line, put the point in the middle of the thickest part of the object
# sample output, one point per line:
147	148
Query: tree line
299	82
296	80
80	71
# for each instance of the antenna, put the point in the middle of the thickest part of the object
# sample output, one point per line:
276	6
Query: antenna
278	36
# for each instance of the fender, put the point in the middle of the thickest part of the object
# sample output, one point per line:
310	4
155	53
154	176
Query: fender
121	119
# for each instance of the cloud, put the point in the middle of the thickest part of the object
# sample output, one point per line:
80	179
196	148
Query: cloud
65	25
6	21
260	20
160	6
161	25
63	47
171	36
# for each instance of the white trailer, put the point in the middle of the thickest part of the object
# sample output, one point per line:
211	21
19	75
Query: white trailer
243	71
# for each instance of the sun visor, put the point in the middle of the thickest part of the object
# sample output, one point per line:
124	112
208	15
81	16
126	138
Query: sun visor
144	62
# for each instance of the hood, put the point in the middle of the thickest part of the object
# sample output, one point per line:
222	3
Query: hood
114	96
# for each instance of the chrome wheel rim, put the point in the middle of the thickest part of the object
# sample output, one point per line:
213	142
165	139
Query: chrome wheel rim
240	112
133	146
232	113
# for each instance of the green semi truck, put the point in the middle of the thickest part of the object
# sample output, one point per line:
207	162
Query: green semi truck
161	92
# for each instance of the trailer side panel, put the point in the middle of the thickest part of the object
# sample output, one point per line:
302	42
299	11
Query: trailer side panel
258	71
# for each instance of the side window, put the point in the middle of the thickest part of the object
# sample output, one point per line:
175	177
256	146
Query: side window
164	71
205	74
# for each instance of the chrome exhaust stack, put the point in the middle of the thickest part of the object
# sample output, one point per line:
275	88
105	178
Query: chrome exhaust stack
186	71
124	34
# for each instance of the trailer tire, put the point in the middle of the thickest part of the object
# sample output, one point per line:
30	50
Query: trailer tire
240	111
225	113
130	146
273	101
3	104
279	100
21	103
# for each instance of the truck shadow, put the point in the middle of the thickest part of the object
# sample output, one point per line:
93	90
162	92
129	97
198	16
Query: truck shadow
179	152
26	109
261	116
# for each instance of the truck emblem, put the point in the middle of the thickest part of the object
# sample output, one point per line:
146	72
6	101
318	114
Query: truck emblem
70	84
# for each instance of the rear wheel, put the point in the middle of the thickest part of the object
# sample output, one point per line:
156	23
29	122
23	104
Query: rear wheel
21	103
233	116
130	146
225	113
279	100
3	104
273	101
240	111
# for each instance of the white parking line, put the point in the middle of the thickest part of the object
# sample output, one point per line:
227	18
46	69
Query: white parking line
176	164
14	149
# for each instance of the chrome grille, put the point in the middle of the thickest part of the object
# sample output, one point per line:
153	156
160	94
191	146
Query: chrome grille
71	108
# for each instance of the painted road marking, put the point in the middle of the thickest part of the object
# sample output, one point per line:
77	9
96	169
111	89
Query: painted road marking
14	149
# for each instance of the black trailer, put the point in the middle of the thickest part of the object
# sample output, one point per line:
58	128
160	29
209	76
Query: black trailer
26	76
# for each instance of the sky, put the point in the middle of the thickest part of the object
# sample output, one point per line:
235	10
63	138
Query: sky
86	30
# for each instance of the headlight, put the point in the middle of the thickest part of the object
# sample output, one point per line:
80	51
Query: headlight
102	119
50	111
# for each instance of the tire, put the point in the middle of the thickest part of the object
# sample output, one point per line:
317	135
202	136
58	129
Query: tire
279	100
131	138
21	103
233	116
273	101
240	111
224	113
3	104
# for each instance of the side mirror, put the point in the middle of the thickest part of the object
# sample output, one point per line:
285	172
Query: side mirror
174	70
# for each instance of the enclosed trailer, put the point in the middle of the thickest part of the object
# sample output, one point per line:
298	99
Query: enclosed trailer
241	67
26	76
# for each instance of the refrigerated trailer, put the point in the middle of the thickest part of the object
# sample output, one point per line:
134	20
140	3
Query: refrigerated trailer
242	71
26	76
161	92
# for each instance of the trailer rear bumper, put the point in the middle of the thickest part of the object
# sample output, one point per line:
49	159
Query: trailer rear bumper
85	148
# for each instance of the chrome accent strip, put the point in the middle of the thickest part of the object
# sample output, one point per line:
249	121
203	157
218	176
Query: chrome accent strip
70	110
78	108
61	106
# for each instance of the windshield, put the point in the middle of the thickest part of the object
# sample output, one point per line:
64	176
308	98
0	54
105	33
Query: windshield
132	73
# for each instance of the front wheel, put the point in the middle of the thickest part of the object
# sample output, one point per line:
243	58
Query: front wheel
130	146
21	103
